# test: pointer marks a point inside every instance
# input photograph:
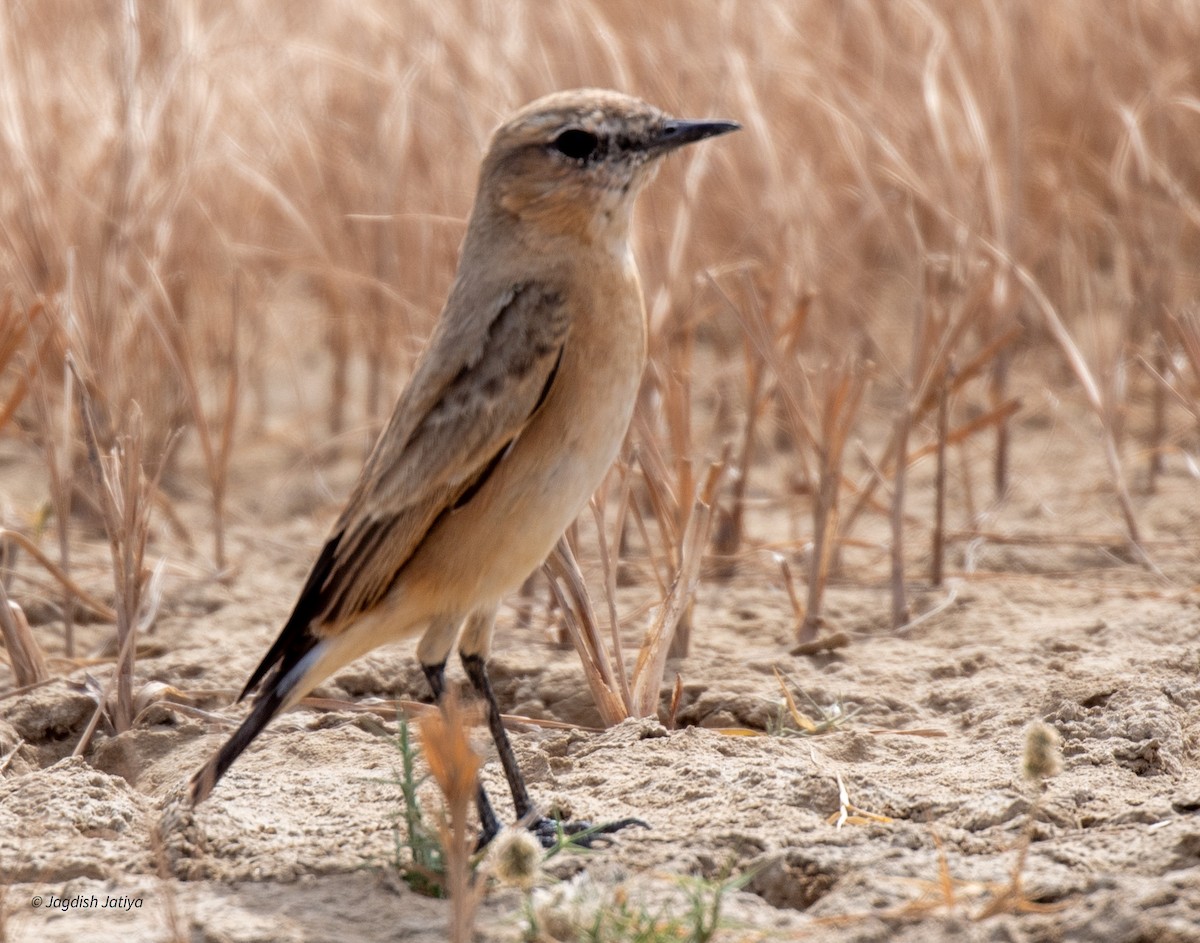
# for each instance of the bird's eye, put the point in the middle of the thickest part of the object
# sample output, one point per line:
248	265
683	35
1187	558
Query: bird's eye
576	143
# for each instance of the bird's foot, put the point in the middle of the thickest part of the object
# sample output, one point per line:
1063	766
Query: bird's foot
555	833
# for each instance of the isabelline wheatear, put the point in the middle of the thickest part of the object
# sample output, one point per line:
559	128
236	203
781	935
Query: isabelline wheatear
514	412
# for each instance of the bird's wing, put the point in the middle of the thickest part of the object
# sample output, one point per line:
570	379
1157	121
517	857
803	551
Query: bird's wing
473	391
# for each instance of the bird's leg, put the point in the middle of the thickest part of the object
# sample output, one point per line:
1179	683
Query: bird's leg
548	831
476	669
488	823
473	647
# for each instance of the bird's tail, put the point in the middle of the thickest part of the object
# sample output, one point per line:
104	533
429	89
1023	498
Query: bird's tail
280	691
305	662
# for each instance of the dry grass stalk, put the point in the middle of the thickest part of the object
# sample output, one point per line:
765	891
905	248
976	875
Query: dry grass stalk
1155	461
50	422
672	347
608	560
77	593
919	365
59	453
731	526
900	612
637	695
454	766
656	645
25	655
974	367
658	571
216	448
937	333
1095	399
570	589
937	561
669	489
673	709
15	327
1041	760
660	499
848	813
993	418
1185	331
125	497
1055	327
843	393
789	584
769	344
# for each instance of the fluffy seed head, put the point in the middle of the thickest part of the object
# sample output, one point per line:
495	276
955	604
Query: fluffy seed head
1043	753
515	858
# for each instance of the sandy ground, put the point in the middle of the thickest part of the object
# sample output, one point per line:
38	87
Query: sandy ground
296	843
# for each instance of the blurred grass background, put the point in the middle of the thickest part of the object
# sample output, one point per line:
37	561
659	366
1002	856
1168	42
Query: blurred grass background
240	215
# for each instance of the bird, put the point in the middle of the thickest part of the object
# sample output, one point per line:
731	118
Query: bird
514	412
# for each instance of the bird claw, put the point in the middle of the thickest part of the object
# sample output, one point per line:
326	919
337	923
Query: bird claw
554	832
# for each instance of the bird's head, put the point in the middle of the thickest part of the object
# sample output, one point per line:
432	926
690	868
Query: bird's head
570	164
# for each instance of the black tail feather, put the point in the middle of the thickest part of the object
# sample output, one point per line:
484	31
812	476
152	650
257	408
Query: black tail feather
266	706
294	643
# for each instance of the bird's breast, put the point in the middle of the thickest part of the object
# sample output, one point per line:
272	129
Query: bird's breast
562	455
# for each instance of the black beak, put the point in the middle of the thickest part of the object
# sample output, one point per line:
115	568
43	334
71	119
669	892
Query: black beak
675	133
